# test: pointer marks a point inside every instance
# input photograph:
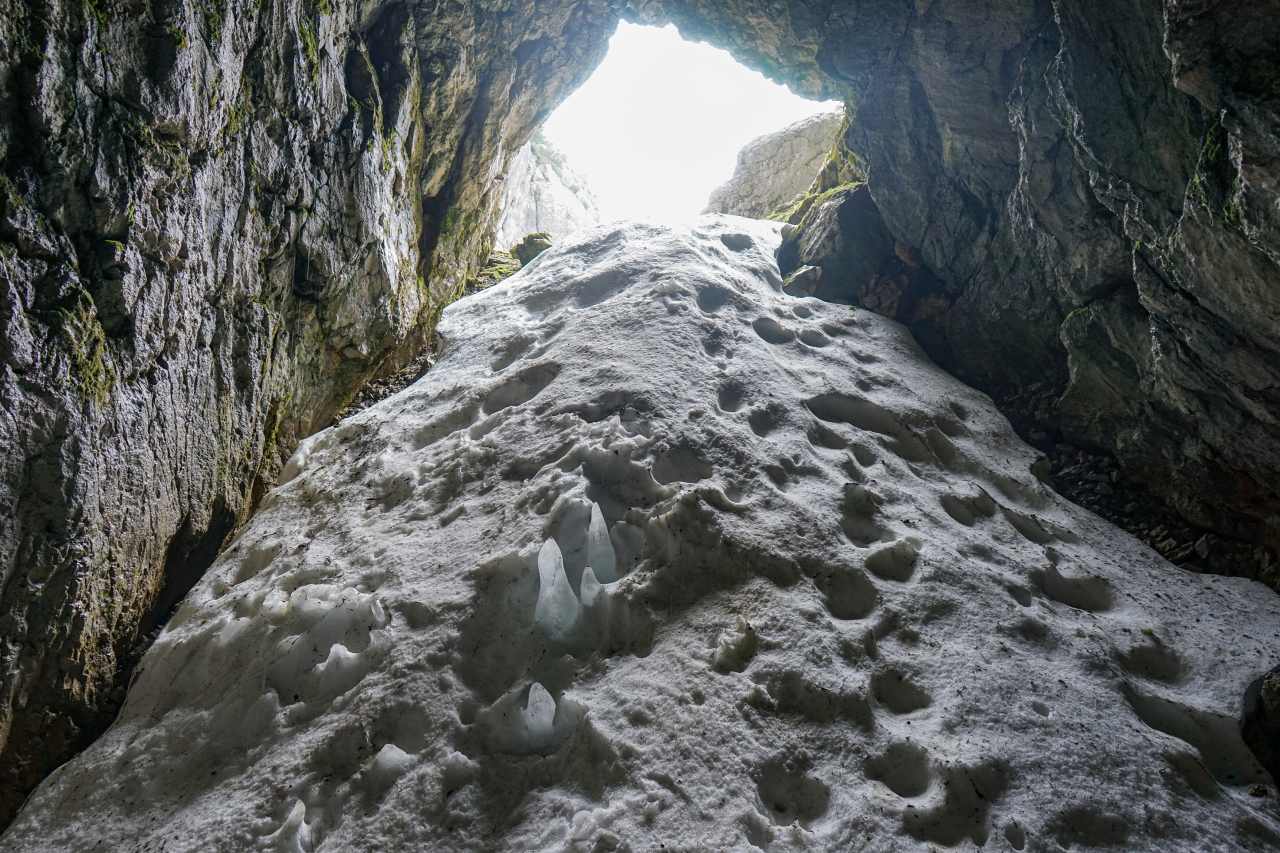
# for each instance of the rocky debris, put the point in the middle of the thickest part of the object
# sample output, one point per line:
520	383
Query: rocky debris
380	389
543	193
774	169
530	247
658	556
1094	480
218	220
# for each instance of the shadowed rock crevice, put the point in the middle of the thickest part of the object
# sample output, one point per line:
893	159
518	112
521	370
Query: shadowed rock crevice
190	553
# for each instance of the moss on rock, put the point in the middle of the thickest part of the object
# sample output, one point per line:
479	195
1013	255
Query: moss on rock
842	172
531	246
500	265
87	345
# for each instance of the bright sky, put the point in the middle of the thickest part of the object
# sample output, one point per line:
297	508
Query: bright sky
659	124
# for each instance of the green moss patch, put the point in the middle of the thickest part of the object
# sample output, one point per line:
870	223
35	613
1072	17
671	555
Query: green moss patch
310	45
841	172
500	265
531	246
87	345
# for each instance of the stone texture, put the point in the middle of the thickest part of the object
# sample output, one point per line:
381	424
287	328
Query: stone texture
530	247
841	251
772	170
543	194
501	264
217	220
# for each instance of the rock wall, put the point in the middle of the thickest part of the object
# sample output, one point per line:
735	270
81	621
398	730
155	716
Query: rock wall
1094	193
772	170
217	220
543	194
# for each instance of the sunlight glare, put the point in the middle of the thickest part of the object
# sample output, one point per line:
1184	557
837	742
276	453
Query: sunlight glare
659	124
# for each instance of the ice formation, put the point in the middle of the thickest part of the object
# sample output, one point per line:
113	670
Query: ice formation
846	614
556	612
600	555
539	717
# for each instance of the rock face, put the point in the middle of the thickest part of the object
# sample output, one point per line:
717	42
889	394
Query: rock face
217	220
544	194
658	555
1095	194
774	169
841	251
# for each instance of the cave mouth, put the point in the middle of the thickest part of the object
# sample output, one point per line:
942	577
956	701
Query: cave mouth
660	122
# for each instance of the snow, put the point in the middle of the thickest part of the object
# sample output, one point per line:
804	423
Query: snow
847	615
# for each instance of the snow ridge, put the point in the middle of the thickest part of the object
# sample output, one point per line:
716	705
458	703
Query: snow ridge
659	555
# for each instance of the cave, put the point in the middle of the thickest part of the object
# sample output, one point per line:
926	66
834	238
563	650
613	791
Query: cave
928	500
660	125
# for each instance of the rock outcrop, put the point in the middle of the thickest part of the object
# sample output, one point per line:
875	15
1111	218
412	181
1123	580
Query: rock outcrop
772	170
543	194
658	556
530	247
217	220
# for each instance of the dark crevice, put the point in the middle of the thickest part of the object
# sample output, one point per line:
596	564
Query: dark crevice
307	285
385	39
436	218
191	552
1260	725
1093	478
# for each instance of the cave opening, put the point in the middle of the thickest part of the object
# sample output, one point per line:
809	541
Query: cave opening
659	124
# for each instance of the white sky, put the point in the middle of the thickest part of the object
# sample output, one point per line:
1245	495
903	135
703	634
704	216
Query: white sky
659	124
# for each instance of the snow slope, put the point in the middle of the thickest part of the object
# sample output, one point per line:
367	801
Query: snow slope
848	615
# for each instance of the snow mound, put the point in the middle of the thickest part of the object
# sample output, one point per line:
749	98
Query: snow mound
658	555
